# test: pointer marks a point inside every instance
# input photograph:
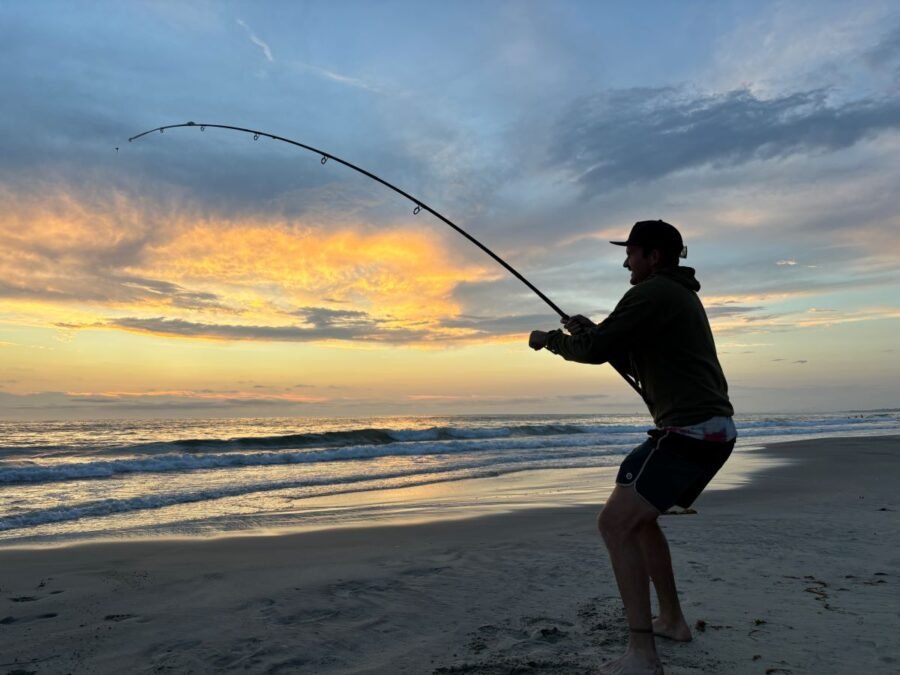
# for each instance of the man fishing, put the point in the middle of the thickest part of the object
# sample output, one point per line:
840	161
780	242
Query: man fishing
659	335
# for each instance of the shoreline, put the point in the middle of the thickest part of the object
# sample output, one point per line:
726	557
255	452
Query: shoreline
423	503
793	570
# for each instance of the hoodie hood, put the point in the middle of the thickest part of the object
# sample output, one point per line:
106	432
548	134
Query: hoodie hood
682	275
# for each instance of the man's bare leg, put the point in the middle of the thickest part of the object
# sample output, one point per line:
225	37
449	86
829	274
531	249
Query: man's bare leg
671	622
620	521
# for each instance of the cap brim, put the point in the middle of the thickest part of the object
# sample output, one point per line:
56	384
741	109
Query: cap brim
619	243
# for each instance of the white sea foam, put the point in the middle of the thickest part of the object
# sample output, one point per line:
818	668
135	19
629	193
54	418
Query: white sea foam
191	462
55	476
470	469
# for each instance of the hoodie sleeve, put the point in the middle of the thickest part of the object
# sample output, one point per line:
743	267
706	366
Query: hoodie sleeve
613	337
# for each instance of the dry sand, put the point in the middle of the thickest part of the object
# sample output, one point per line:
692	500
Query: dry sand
799	572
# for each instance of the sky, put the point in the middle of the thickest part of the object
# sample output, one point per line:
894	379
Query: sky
205	274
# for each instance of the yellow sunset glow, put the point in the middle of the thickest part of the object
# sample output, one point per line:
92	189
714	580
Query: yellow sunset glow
75	258
404	274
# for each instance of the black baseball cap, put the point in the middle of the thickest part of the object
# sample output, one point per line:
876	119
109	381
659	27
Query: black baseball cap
655	234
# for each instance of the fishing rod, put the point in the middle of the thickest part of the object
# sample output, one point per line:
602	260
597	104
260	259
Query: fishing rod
419	206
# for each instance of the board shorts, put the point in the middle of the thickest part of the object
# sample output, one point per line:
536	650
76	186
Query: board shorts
670	469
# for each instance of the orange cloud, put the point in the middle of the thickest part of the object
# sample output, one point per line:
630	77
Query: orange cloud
404	274
88	260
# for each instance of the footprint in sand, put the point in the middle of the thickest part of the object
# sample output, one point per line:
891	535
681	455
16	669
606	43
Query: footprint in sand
7	620
119	617
551	635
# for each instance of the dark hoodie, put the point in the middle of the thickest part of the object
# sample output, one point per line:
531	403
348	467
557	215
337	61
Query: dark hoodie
659	334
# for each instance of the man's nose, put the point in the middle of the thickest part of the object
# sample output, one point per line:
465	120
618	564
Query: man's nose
625	264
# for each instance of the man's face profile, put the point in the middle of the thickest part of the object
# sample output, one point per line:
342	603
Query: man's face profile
641	266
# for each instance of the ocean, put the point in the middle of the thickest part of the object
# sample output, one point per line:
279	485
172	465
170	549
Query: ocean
63	482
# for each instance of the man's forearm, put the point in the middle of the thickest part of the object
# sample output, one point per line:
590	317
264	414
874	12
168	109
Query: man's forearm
584	348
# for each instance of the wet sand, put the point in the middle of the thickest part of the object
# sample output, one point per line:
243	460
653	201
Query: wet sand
796	572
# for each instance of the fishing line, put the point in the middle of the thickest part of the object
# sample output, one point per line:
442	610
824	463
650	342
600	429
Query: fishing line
419	206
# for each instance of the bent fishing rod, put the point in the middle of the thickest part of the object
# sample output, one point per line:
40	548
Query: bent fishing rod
419	206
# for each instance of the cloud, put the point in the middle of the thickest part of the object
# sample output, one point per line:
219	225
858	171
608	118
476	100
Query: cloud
258	42
75	261
323	317
114	403
504	400
642	134
800	361
366	330
787	321
790	263
406	274
497	325
749	287
321	323
716	311
332	76
190	402
499	299
106	90
173	293
886	52
65	248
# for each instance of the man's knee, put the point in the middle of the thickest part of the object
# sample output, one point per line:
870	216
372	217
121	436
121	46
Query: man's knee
625	514
607	523
613	527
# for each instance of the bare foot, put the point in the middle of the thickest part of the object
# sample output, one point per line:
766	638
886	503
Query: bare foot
678	630
631	665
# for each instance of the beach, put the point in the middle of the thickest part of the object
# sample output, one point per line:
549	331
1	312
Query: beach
794	572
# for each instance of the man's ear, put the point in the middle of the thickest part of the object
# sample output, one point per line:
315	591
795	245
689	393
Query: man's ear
654	257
